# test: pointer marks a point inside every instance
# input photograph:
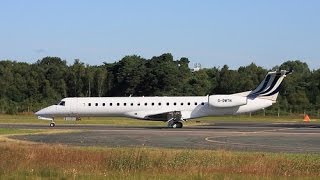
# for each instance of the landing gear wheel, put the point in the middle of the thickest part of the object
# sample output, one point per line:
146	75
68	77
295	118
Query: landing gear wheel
174	125
178	124
52	124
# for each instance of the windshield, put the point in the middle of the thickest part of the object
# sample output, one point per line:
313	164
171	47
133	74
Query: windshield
62	103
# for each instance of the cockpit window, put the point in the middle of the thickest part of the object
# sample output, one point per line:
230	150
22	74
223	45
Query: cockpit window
62	103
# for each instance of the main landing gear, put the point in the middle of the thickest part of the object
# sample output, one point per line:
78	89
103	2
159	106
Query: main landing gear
173	124
174	120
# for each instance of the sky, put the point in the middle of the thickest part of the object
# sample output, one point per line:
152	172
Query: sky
210	32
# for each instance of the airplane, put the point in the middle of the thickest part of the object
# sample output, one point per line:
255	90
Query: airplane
174	110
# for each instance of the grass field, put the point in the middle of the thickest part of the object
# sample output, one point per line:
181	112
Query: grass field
8	131
134	122
20	161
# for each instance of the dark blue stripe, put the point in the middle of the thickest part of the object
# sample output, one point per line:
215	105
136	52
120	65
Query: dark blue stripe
275	91
264	85
272	85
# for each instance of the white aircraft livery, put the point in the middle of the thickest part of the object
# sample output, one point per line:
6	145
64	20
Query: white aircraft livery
174	110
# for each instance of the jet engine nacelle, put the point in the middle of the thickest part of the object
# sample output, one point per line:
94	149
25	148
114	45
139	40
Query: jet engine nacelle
223	101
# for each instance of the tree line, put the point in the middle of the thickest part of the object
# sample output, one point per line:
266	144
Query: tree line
26	87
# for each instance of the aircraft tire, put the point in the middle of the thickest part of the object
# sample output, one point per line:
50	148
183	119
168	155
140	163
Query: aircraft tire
179	125
175	125
52	124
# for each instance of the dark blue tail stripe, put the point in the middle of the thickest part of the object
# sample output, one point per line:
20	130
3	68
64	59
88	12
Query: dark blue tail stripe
275	91
272	85
264	85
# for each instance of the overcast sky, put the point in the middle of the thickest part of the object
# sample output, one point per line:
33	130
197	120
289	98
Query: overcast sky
213	33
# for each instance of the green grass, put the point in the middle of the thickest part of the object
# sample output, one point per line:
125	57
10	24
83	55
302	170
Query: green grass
6	131
31	119
25	161
247	118
19	161
122	121
52	174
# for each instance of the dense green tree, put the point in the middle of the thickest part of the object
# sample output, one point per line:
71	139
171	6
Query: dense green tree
87	80
6	77
128	75
75	77
228	81
200	83
161	76
28	87
213	76
296	85
250	76
100	76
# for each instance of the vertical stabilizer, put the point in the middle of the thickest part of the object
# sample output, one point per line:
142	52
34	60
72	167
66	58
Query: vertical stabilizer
270	86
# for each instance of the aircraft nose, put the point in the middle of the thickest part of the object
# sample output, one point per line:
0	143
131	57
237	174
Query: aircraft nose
45	111
40	112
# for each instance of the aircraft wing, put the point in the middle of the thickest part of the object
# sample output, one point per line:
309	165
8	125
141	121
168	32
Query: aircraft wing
160	115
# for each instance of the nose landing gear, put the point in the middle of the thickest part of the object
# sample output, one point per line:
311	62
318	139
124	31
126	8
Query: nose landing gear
52	124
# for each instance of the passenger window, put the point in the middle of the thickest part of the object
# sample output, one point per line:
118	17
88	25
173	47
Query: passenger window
96	104
189	103
195	103
124	104
175	103
159	104
138	104
145	104
118	104
181	104
152	104
168	104
89	104
103	104
110	104
131	104
202	103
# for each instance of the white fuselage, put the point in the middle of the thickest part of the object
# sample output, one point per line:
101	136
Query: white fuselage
174	109
142	107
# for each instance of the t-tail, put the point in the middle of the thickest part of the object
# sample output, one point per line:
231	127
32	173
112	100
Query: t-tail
270	86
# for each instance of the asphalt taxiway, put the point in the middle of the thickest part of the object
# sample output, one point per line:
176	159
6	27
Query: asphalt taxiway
269	137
